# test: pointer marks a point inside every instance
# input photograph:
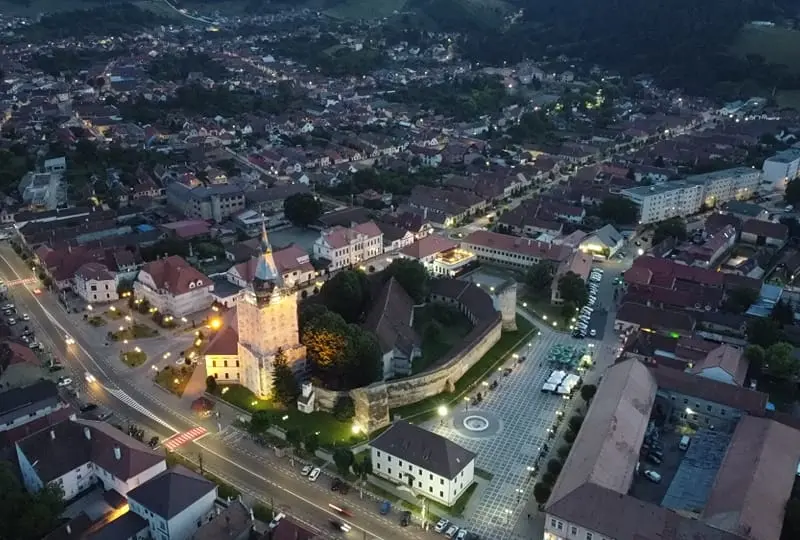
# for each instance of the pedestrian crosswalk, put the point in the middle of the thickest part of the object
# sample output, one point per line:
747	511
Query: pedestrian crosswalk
133	404
183	438
25	281
231	435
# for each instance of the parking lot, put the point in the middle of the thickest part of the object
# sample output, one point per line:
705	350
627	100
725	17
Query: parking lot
649	491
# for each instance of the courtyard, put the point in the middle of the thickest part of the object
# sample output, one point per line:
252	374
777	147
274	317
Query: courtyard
507	431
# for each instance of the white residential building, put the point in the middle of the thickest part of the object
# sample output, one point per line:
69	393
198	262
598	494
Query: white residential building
664	201
506	250
427	463
439	256
95	283
174	286
174	504
344	246
683	198
781	168
76	454
292	262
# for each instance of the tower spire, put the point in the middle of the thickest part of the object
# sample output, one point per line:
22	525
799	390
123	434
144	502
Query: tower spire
266	278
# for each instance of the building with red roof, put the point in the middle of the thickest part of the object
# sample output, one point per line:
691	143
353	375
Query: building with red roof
174	286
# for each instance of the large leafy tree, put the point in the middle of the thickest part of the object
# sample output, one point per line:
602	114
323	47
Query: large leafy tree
618	210
780	363
26	516
764	332
347	293
792	195
412	276
325	338
539	277
302	209
671	228
284	385
572	289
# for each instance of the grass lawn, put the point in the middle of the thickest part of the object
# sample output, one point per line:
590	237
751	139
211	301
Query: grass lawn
332	432
442	327
175	378
458	507
137	331
542	308
115	314
96	321
488	363
133	358
776	45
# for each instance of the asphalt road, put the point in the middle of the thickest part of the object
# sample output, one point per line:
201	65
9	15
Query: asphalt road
264	477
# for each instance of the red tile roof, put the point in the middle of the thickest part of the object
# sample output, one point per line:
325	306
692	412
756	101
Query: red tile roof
515	244
427	246
175	275
767	229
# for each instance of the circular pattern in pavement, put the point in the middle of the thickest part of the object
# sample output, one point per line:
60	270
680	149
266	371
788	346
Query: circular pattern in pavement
476	423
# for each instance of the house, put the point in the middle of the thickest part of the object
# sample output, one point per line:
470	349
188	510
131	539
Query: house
221	355
173	286
781	169
429	464
234	523
632	316
28	409
394	238
580	264
746	210
215	202
348	246
760	233
604	242
391	319
76	454
95	284
174	504
725	364
440	256
292	262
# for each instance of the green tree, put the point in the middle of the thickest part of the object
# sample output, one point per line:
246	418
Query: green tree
27	516
573	289
541	492
344	409
575	423
783	313
412	276
738	300
792	194
671	228
325	337
302	209
347	293
554	466
260	421
284	385
343	458
363	468
779	361
763	332
211	384
755	355
587	392
563	451
311	443
362	358
294	437
539	277
618	210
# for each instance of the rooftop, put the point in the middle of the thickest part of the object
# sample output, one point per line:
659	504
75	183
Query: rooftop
424	449
786	156
172	491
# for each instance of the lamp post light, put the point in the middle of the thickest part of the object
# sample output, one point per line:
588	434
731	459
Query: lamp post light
466	403
442	410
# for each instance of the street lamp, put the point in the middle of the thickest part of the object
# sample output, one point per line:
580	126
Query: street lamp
442	410
466	403
544	317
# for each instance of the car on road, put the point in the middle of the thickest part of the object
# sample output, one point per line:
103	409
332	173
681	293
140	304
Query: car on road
64	381
25	317
441	525
653	476
90	378
340	526
305	470
341	509
451	532
11	321
69	339
315	472
88	407
593	332
277	519
8	306
336	484
37	291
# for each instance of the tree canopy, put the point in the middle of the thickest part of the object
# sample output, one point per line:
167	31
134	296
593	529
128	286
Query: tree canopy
412	276
780	363
26	516
573	289
539	277
302	209
348	294
284	384
671	228
618	210
792	194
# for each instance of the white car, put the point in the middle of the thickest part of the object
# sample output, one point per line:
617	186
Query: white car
593	332
306	470
653	476
25	317
314	474
462	534
89	377
451	532
441	525
11	321
64	381
69	339
277	519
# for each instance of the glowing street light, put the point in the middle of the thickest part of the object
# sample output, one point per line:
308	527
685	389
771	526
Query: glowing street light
215	323
442	410
356	429
225	390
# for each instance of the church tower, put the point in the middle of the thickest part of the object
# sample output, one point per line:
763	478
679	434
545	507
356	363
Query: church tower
267	319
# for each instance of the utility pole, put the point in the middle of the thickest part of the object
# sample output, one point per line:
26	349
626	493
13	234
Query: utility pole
200	458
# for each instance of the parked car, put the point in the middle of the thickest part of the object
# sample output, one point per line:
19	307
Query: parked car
386	507
441	525
462	534
26	317
64	381
593	332
315	472
305	470
336	484
654	459
653	476
451	532
340	526
88	407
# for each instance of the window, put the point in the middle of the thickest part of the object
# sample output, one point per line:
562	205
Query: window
378	452
410	469
378	465
552	523
419	484
708	408
441	481
431	476
389	459
213	363
389	470
430	489
441	495
574	530
685	401
227	376
588	536
224	363
559	525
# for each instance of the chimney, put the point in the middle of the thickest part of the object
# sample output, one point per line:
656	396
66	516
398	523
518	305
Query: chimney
52	435
88	433
117	453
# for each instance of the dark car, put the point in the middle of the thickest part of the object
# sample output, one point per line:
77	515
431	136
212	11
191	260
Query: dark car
405	519
652	458
654	451
88	407
336	484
